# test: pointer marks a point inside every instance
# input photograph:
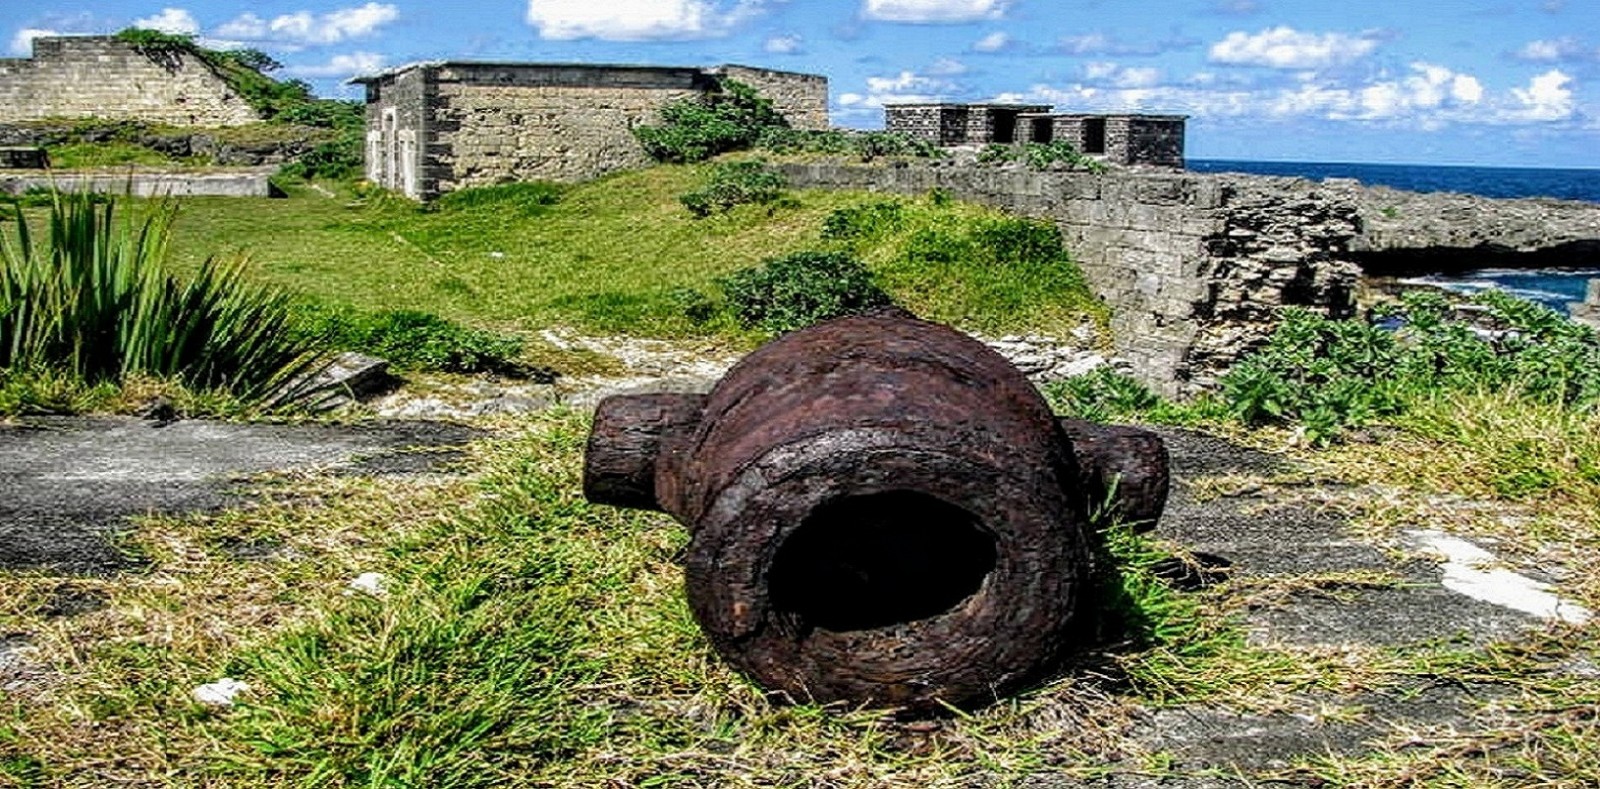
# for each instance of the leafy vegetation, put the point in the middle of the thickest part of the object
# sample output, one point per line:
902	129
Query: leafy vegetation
798	290
95	303
279	102
732	184
865	145
413	340
693	130
1041	156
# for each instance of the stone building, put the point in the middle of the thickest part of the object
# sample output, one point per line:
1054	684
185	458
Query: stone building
103	77
1124	139
437	127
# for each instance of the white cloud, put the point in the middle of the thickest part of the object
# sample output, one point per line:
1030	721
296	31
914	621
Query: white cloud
638	20
1286	48
305	28
784	45
1427	97
904	88
994	42
170	20
22	42
934	11
342	66
1547	98
947	67
1098	43
1567	48
1239	7
1106	73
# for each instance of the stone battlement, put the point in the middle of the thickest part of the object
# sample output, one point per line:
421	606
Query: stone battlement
104	77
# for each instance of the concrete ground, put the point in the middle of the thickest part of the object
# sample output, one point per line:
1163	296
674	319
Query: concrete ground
68	487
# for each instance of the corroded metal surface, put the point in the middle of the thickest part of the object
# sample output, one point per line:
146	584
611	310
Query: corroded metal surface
883	510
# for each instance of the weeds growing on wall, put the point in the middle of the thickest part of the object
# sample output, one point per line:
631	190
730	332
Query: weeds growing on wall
693	130
288	102
1041	156
95	303
865	145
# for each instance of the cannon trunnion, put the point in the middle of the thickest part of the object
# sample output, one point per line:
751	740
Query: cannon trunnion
882	510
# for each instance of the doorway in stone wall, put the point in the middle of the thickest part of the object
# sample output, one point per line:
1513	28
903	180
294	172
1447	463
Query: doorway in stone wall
1094	135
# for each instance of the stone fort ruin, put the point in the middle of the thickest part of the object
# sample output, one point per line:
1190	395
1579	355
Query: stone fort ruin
1125	139
105	77
438	127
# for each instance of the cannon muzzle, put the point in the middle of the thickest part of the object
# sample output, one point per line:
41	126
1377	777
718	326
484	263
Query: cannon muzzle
882	510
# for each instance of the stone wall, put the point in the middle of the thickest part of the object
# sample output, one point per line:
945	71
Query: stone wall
937	123
1194	267
1148	140
101	77
801	98
438	127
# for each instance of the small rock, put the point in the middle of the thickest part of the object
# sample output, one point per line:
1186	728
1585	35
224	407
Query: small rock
374	584
220	693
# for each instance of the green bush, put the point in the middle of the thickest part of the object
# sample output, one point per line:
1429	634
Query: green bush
693	130
414	340
866	145
867	220
1102	395
798	290
1326	375
94	302
1040	155
733	184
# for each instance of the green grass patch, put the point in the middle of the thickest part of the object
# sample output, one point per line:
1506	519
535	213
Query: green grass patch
617	255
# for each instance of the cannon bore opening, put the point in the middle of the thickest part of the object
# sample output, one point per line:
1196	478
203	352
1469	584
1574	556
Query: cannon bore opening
865	562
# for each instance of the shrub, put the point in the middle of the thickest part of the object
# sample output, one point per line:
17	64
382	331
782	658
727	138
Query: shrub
1102	395
1040	155
866	220
1326	375
94	302
414	340
693	130
867	145
733	184
791	292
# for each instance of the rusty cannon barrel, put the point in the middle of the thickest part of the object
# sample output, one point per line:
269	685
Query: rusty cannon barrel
882	510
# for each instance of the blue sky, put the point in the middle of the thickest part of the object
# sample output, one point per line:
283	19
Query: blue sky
1493	82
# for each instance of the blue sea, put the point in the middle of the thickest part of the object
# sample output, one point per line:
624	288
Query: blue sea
1553	287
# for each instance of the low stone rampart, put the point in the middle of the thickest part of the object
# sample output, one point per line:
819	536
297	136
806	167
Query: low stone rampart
229	183
1194	267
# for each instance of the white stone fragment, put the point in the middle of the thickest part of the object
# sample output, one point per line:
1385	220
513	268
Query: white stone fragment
1473	571
374	584
220	693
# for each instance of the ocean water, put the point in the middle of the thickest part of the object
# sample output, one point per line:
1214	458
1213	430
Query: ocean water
1552	287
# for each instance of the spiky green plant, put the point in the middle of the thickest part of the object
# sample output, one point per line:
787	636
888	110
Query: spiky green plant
95	301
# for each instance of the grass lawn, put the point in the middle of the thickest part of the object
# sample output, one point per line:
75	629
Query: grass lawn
615	255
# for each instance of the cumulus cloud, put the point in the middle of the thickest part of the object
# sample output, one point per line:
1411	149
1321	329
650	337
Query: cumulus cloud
1100	44
994	42
783	45
304	28
1554	50
1106	73
934	11
1427	96
342	66
903	88
22	42
947	67
638	20
170	20
1286	48
1547	98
